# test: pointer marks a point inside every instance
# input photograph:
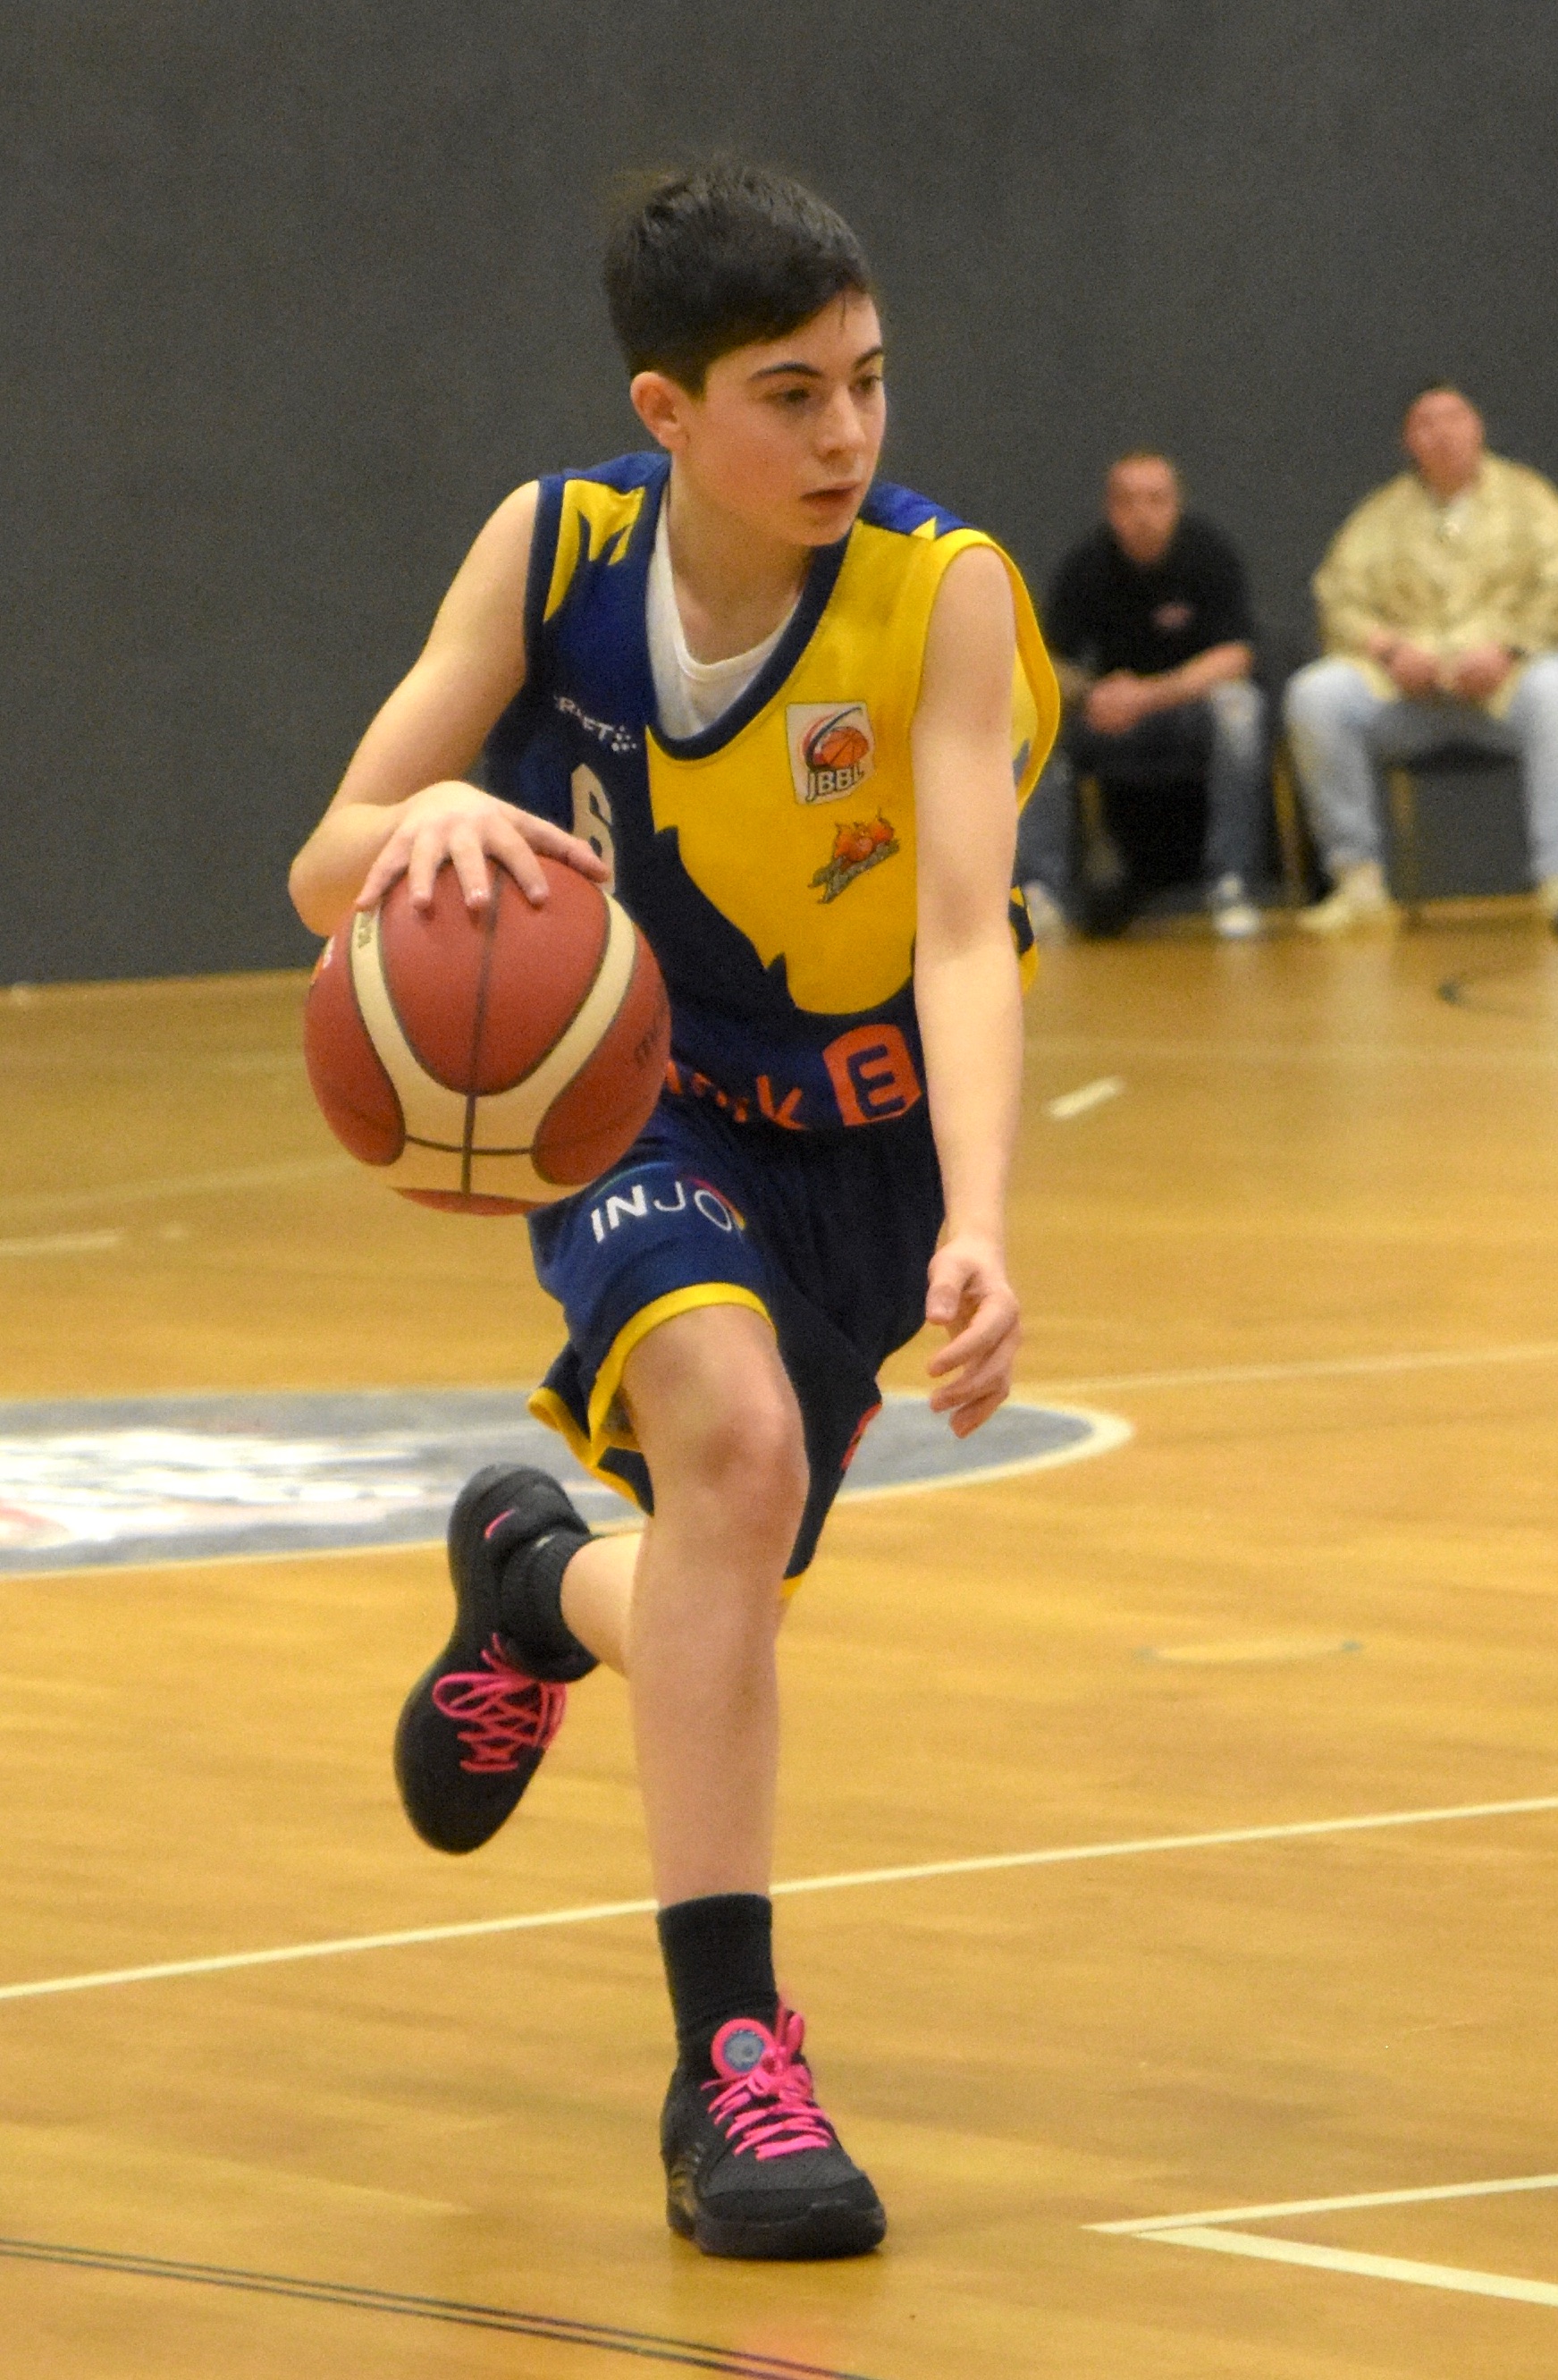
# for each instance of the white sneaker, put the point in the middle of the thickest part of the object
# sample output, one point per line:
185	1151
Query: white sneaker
1235	918
1045	913
1360	899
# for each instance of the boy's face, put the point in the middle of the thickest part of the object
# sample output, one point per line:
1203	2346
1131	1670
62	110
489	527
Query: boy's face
786	434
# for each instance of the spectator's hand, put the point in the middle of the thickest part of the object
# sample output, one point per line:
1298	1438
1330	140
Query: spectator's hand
1417	672
1480	672
1117	703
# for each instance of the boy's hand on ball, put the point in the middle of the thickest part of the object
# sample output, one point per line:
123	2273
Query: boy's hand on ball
971	1296
460	826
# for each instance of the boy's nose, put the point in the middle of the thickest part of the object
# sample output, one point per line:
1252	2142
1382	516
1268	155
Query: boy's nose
840	430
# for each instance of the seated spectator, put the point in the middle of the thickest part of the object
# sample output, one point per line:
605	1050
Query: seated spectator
1438	604
1148	623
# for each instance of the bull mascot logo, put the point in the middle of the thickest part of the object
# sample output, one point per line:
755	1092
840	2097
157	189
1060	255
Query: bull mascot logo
862	844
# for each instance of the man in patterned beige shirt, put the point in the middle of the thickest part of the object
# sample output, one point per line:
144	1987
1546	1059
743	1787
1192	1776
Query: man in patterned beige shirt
1438	608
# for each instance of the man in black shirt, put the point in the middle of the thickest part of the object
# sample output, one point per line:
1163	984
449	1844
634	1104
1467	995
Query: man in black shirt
1149	625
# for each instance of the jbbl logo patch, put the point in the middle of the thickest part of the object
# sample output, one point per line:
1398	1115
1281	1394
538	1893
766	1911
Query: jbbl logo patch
832	749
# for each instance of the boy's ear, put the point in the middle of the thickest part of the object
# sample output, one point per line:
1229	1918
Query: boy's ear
663	406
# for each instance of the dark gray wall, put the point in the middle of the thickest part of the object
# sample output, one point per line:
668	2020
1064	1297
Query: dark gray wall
295	293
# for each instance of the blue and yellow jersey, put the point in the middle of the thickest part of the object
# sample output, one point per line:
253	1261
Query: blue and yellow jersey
769	860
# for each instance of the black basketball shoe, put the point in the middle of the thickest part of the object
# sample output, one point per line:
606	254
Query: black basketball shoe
475	1726
752	2165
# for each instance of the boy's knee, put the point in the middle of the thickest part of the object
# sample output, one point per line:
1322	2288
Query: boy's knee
750	1452
717	1421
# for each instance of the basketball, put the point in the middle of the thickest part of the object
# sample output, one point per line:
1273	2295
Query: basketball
837	748
489	1063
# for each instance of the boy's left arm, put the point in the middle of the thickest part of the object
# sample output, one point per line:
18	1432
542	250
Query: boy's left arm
967	993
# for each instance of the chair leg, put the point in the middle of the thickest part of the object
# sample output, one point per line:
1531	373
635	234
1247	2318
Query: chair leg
1403	791
1289	828
1100	860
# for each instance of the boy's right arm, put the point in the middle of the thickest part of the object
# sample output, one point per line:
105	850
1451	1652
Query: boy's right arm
402	808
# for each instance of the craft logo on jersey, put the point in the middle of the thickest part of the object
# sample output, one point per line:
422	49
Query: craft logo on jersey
862	844
832	749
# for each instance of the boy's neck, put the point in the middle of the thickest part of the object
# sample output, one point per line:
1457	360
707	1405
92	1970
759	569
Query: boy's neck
733	586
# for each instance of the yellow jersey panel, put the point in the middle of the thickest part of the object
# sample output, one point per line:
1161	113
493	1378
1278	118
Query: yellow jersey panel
816	865
770	859
596	522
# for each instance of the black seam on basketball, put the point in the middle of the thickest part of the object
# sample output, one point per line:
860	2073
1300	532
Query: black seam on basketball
456	1148
478	1027
468	1149
562	2330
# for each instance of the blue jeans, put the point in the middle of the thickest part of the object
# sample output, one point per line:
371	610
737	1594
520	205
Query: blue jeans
1341	730
1220	741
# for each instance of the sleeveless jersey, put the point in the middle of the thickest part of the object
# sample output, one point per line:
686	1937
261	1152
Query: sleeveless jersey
770	859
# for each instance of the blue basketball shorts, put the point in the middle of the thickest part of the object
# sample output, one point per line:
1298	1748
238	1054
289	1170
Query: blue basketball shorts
829	1234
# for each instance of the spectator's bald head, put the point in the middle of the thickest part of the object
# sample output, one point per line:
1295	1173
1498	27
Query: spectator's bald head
1142	502
1442	433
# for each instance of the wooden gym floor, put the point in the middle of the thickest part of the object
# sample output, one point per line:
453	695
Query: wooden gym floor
1299	1234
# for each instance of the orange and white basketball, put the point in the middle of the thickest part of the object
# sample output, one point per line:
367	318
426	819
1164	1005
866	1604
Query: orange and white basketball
489	1063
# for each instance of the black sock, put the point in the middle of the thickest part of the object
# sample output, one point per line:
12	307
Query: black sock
530	1598
719	1955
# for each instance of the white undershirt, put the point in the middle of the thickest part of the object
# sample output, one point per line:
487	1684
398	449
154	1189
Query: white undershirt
691	695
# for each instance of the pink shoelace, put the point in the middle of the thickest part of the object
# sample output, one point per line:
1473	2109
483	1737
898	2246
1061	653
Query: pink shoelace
771	2109
500	1711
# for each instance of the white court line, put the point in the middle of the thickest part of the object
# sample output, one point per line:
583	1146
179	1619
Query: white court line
1375	2268
61	1243
990	1865
178	1185
1324	1367
1221	2214
1080	1103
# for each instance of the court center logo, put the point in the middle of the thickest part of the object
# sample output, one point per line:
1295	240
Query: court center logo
166	1479
832	748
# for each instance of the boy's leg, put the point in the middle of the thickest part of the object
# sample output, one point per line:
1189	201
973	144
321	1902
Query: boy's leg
754	2168
689	1611
689	1614
716	1420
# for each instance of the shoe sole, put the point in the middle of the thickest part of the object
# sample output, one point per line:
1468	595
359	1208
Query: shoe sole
404	1782
1365	921
820	2235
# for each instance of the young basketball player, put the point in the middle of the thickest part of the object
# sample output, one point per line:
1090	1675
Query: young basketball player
782	710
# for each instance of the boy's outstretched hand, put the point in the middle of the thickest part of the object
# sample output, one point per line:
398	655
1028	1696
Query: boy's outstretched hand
971	1296
461	825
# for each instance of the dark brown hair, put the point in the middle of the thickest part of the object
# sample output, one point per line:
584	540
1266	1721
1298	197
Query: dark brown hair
719	256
